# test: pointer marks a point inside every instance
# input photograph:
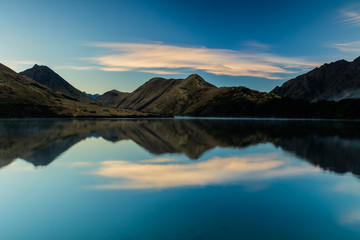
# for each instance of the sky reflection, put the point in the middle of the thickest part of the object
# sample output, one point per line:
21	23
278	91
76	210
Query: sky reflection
159	173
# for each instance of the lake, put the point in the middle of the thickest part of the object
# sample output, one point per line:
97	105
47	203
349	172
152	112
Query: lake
179	179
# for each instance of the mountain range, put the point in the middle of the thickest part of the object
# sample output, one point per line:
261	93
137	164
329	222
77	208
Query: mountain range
330	91
189	96
21	96
332	82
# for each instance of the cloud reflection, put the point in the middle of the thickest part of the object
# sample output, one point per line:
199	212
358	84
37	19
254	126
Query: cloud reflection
349	218
154	174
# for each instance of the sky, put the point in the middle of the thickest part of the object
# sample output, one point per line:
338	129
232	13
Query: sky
98	46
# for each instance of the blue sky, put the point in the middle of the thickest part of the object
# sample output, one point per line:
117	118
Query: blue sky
102	45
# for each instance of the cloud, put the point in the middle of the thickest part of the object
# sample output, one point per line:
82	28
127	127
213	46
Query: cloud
350	16
159	58
257	45
106	69
78	67
163	173
161	72
348	47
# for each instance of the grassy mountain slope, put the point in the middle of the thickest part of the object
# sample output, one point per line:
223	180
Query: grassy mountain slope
190	96
21	96
333	82
45	76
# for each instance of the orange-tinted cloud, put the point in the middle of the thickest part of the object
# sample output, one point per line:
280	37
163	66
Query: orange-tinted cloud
348	47
170	59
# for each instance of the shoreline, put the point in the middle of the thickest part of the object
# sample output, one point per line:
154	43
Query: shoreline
186	118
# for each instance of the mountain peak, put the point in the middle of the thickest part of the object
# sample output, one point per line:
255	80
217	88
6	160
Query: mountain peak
198	80
196	76
46	76
37	67
357	60
332	81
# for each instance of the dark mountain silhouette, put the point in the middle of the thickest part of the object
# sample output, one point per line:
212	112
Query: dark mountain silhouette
45	76
190	96
112	98
332	82
193	96
333	146
21	96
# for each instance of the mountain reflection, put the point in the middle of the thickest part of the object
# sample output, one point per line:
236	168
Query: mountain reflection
333	146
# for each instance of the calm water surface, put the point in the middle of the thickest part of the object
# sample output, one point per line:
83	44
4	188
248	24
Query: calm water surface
179	179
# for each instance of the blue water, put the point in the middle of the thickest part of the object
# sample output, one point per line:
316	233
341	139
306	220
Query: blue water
179	179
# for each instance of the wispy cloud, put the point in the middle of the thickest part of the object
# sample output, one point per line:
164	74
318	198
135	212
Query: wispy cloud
350	16
161	72
78	67
256	45
159	58
348	47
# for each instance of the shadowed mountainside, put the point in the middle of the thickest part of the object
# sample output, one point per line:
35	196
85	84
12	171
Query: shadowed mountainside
193	96
189	96
21	96
45	76
333	82
333	146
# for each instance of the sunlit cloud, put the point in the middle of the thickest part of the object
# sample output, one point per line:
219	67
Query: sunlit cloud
160	72
164	59
106	69
350	16
162	173
348	47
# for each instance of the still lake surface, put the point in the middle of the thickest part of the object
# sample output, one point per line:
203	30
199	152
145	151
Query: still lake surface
179	179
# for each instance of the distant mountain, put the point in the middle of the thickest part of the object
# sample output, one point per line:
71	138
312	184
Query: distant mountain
21	96
112	98
335	81
93	96
190	96
44	75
